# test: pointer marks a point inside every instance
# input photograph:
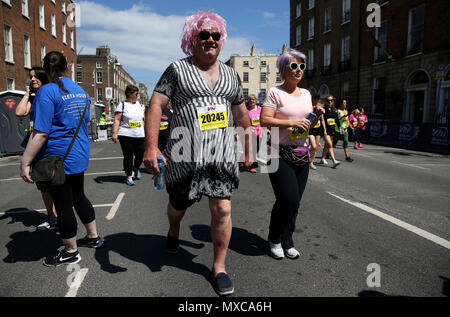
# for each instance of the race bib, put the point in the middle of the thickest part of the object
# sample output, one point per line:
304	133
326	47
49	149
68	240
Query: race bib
317	125
212	117
296	133
164	125
136	124
331	121
256	121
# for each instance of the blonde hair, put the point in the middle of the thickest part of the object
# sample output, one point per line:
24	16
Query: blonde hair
356	112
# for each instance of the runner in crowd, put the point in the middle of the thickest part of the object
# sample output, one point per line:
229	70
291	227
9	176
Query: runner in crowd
362	120
164	127
128	129
343	130
54	128
38	78
207	99
353	122
331	119
254	112
315	133
286	107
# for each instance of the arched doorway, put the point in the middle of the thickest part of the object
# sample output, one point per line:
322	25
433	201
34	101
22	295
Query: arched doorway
417	97
312	91
324	90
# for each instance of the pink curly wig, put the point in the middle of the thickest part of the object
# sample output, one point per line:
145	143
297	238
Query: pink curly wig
198	22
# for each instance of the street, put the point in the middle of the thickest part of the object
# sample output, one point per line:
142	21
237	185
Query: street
377	226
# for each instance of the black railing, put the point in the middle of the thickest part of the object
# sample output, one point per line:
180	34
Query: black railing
326	70
344	65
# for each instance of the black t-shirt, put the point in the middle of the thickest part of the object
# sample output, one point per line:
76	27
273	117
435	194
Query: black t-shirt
164	129
331	118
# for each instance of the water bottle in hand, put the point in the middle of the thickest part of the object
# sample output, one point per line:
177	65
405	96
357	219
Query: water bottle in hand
159	180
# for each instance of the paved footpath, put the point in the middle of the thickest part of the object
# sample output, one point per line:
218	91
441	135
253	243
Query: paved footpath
377	226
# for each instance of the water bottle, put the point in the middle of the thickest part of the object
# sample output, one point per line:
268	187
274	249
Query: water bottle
310	117
159	180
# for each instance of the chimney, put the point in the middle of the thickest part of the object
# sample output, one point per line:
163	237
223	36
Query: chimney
253	51
284	49
103	51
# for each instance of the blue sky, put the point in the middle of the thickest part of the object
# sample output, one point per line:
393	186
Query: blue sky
145	35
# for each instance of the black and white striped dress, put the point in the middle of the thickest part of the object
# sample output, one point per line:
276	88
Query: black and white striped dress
202	160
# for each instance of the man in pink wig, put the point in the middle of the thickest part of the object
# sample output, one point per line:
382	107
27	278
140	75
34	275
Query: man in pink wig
207	100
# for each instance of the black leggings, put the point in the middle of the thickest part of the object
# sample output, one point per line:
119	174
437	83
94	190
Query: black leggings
288	184
66	196
132	146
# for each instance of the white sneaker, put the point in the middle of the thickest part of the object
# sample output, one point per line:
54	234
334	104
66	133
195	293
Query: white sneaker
324	162
292	253
51	223
312	166
336	163
276	251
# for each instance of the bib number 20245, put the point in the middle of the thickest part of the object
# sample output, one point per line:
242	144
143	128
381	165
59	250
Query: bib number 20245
212	117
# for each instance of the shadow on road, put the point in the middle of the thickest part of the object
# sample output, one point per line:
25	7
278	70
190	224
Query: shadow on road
375	294
26	246
149	250
445	286
110	179
242	241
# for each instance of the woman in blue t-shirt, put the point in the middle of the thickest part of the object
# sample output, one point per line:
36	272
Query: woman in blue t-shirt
57	111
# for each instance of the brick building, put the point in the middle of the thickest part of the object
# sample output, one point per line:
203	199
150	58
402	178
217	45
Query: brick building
397	71
30	29
96	73
143	94
407	78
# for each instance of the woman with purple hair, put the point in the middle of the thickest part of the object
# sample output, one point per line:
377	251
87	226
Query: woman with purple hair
288	108
207	100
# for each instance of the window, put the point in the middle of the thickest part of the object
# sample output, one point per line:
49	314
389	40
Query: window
310	59
53	25
79	77
245	91
415	30
311	29
43	52
98	65
345	48
327	54
99	78
10	84
379	95
381	2
327	21
278	77
262	94
298	35
380	53
25	8
263	77
7	2
41	16
299	10
245	63
311	4
345	90
346	6
9	57
80	65
245	77
263	63
64	35
99	94
26	52
72	42
63	6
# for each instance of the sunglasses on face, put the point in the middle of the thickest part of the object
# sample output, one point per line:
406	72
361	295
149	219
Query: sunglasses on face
294	66
204	35
330	100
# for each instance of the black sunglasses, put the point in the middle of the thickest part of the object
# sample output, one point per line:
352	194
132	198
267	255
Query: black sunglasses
204	35
294	66
330	100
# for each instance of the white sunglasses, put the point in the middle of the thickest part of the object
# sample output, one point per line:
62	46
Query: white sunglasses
294	66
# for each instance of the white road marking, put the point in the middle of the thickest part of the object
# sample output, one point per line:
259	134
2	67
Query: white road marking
76	284
43	210
424	234
115	207
91	159
412	165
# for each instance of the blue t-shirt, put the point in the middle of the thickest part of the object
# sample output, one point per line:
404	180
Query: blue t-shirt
58	114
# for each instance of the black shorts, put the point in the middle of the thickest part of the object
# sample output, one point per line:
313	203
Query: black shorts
316	131
179	197
331	131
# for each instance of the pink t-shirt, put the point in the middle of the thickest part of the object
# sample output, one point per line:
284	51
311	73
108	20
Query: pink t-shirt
290	107
353	120
255	115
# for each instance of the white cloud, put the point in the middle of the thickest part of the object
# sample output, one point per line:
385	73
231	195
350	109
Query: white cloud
142	39
269	15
